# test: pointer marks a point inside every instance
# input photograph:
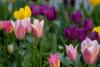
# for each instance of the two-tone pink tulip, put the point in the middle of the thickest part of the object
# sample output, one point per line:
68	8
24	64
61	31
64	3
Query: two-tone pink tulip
90	51
54	60
19	29
37	28
71	52
27	24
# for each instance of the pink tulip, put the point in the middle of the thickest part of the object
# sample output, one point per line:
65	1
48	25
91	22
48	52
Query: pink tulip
7	26
54	60
1	25
90	51
19	29
37	28
71	52
27	24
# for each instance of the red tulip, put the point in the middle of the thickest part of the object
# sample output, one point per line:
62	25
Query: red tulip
7	26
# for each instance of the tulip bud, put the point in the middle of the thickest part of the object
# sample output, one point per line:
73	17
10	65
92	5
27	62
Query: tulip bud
10	48
35	9
42	7
70	32
88	24
50	13
76	17
54	60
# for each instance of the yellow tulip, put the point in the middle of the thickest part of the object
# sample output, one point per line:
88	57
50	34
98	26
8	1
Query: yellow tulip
97	29
95	2
23	13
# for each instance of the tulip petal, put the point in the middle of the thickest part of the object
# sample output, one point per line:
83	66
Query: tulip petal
16	15
27	11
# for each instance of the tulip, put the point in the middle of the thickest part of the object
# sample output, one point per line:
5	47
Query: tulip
37	28
1	25
50	13
27	24
42	7
81	34
54	60
88	24
90	51
7	26
94	36
94	3
70	32
97	29
71	52
10	48
19	29
76	17
22	13
35	9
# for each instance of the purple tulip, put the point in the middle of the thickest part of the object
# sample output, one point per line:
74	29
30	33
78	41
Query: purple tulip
50	13
88	24
35	9
70	32
76	17
94	36
81	34
42	7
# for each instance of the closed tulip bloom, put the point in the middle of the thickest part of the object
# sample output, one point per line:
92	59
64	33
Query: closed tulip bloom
70	32
76	17
34	9
90	51
54	60
19	29
42	7
10	48
94	36
37	28
71	52
81	34
50	13
7	26
88	24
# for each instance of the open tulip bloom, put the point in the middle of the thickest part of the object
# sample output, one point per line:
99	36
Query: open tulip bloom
37	28
71	52
90	51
